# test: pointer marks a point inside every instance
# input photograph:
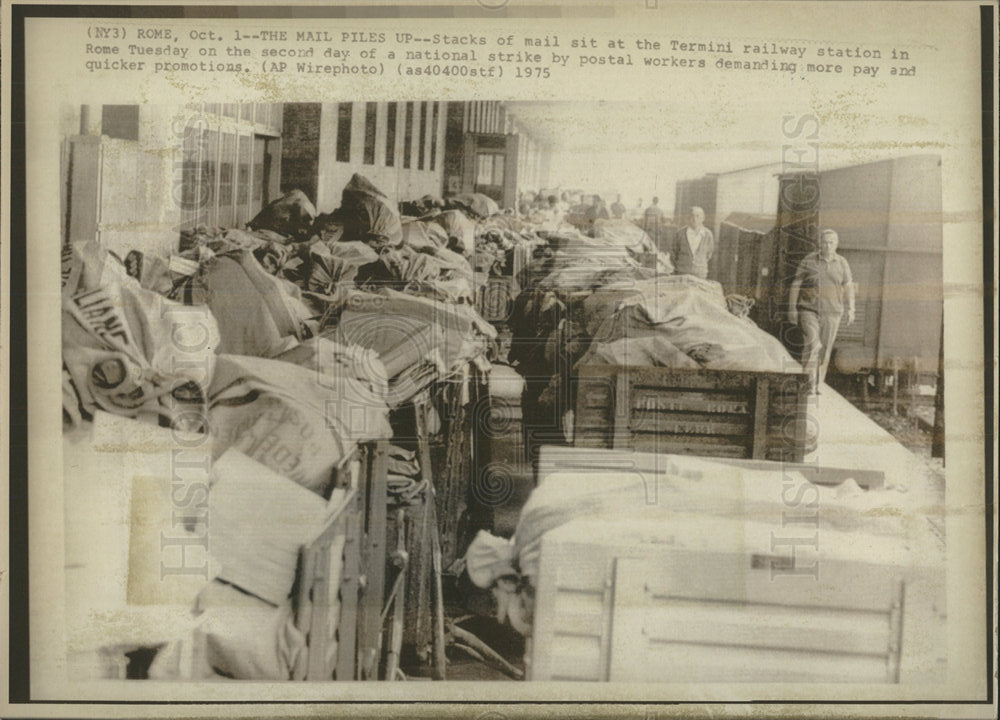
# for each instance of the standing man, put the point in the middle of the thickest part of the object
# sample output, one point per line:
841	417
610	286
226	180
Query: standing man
653	222
564	203
524	203
617	208
597	211
693	246
553	214
816	299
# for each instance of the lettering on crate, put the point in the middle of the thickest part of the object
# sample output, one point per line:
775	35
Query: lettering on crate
693	404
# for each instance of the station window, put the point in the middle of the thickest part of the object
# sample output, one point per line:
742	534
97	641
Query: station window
408	136
225	176
390	136
434	135
209	176
227	170
371	119
489	168
420	136
484	170
344	132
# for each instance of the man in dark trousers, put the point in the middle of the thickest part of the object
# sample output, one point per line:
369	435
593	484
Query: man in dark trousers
693	246
653	222
617	208
597	211
821	290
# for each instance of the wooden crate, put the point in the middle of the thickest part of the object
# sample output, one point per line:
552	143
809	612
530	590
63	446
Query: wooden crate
554	459
718	413
633	599
340	588
326	602
677	611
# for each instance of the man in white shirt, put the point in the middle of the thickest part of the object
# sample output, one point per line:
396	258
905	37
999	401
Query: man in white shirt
693	247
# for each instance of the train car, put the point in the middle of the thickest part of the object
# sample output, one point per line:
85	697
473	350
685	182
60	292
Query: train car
750	190
887	215
746	253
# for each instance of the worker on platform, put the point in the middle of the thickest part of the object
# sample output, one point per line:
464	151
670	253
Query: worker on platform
821	290
617	208
653	223
565	203
554	214
693	246
597	210
524	203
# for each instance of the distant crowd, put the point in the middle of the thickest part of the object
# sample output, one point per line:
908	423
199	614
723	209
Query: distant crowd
690	247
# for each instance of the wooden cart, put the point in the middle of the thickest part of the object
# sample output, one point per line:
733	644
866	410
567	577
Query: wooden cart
344	596
338	601
715	413
688	607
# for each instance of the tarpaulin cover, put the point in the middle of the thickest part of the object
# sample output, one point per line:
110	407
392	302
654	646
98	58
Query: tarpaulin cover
562	498
335	262
367	215
651	349
417	235
258	314
460	229
691	313
706	488
476	203
292	214
394	323
327	356
624	233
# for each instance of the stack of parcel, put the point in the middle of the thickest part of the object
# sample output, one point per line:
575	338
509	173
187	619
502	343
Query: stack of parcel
617	351
221	404
661	542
